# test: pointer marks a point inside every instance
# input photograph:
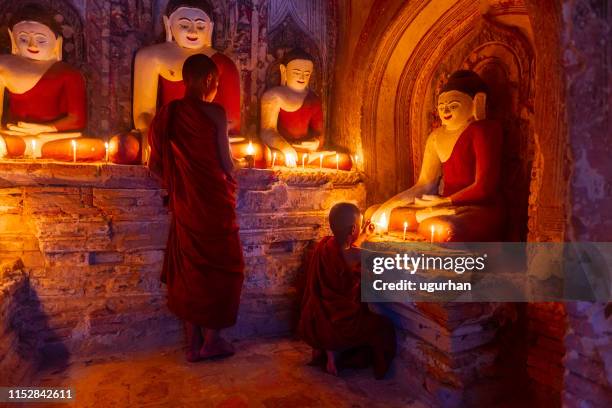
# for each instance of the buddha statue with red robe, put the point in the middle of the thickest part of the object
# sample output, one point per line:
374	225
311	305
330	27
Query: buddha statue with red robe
158	68
292	119
46	97
457	195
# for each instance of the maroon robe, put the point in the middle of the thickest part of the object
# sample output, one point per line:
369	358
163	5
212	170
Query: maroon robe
333	317
203	267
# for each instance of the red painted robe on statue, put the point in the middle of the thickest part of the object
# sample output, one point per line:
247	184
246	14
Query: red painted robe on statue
305	123
471	178
203	267
333	317
228	93
58	99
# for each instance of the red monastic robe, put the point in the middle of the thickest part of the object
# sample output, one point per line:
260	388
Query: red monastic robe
58	99
333	317
305	123
203	267
228	94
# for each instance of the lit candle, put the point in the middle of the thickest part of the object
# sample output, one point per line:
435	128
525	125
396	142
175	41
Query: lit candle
356	159
74	151
250	158
382	222
273	158
33	149
304	160
337	162
106	151
433	230
321	161
405	228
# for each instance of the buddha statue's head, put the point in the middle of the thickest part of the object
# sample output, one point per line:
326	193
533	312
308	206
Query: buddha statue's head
35	34
296	69
189	23
462	99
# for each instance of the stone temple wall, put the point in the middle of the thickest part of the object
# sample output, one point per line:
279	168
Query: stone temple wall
91	241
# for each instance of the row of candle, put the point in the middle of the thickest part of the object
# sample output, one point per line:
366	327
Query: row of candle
251	152
383	224
74	150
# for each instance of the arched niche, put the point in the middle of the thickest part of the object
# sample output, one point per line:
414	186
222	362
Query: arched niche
504	59
64	13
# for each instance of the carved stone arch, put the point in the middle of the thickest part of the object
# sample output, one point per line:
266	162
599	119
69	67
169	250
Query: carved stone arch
221	18
503	57
65	14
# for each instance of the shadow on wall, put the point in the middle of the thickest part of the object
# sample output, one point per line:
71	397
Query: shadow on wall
39	345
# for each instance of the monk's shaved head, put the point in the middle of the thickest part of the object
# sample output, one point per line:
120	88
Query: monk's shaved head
342	218
197	67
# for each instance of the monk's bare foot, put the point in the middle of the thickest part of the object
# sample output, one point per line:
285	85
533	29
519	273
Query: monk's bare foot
194	342
215	346
331	367
318	358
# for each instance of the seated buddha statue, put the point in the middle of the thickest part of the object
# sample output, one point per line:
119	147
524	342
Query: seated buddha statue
457	195
46	97
158	70
292	120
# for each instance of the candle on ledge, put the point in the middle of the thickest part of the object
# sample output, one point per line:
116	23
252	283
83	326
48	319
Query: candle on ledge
382	223
405	228
337	162
106	151
250	156
321	161
356	159
433	230
304	160
273	158
33	149
74	146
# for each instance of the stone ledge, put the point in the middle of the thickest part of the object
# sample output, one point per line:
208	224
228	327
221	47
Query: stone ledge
16	173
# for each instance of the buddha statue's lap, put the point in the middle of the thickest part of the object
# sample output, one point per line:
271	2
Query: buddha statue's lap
292	120
46	97
461	163
158	77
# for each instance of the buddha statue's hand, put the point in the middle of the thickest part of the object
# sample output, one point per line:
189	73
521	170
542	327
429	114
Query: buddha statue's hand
428	200
309	145
28	128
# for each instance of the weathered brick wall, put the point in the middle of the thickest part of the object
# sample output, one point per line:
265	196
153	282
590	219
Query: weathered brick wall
92	239
16	366
588	362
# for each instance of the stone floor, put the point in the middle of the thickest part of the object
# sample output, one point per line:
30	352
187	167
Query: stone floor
265	373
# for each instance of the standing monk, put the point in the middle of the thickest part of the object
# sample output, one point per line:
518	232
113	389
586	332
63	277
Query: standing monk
203	267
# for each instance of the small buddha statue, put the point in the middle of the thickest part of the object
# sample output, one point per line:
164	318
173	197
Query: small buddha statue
158	69
46	97
457	195
292	120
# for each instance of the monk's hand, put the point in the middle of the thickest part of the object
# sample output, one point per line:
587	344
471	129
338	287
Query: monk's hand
290	156
31	128
428	200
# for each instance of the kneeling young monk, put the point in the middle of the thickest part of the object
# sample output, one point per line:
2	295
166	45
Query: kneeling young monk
203	267
333	319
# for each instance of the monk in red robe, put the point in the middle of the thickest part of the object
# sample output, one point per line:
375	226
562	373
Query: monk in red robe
333	319
203	268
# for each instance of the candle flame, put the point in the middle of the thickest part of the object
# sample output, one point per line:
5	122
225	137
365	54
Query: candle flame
250	149
405	224
74	144
382	222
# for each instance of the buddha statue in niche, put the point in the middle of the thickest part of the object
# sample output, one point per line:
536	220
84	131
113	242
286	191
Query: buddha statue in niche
158	70
457	195
46	97
292	120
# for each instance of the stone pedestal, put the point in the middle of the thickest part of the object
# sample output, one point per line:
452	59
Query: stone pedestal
92	236
456	354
